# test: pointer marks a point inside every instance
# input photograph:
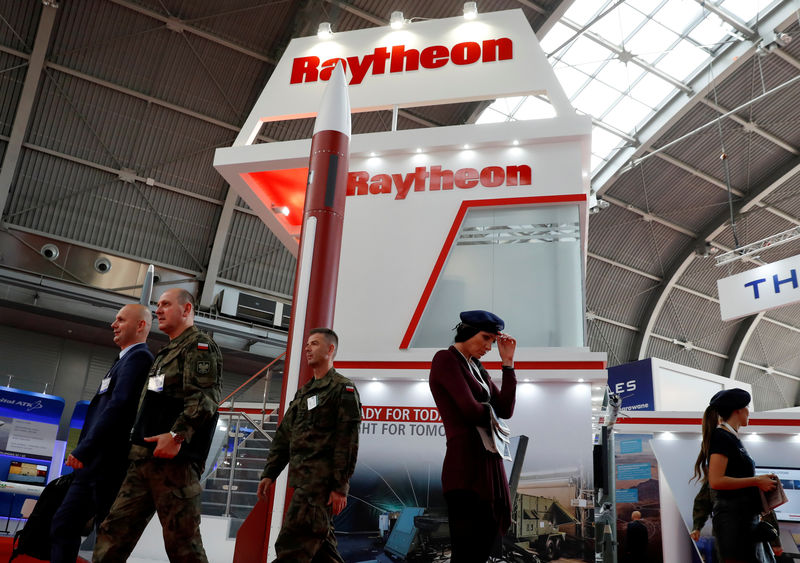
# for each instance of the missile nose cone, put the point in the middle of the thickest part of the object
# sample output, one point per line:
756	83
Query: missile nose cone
334	111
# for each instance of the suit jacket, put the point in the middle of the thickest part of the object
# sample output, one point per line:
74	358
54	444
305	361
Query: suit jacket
105	438
461	403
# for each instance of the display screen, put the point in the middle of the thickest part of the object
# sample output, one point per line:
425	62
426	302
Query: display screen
790	479
31	473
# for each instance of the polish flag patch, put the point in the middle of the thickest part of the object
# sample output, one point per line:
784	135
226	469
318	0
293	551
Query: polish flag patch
350	388
202	346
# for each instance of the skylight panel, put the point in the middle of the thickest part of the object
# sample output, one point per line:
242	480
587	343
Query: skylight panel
535	108
627	114
596	98
651	41
679	15
620	75
682	60
652	90
508	105
603	141
556	37
586	55
745	10
711	32
582	11
618	25
490	115
571	79
646	7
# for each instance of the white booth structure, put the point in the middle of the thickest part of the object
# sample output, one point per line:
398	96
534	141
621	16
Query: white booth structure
438	221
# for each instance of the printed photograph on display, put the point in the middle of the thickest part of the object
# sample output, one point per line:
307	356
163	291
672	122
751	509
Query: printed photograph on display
396	487
637	490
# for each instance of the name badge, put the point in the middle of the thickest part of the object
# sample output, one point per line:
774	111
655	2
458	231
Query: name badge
156	382
312	402
104	385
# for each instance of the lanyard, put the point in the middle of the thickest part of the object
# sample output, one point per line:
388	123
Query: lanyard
473	369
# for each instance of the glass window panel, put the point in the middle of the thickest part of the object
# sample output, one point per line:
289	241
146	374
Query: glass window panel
522	263
489	115
620	75
603	142
627	114
596	98
556	37
586	55
652	90
582	11
571	79
682	60
619	24
679	15
710	32
745	10
646	7
535	108
507	105
651	41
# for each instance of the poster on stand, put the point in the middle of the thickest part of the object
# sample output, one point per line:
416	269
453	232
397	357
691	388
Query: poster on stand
402	447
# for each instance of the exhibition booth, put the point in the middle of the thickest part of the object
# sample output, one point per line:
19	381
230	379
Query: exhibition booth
437	221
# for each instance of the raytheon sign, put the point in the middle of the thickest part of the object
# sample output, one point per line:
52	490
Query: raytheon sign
399	58
449	60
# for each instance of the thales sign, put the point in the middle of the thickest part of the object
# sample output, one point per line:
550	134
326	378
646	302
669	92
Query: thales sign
759	289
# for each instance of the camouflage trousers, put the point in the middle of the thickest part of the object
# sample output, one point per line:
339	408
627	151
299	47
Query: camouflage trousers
307	531
165	486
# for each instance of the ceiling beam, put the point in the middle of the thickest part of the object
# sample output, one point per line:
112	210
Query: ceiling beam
684	258
751	127
176	24
25	106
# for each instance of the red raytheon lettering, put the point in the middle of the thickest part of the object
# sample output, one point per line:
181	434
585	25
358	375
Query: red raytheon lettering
399	58
435	178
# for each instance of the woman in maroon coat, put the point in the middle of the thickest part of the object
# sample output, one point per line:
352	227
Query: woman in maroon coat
473	479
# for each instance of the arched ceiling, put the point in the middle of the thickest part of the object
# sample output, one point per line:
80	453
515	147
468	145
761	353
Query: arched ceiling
110	112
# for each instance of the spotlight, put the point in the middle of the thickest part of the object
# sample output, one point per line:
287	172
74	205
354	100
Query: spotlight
49	251
324	31
396	20
280	209
470	10
102	265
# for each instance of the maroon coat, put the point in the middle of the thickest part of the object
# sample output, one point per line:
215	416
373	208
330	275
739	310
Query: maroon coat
460	400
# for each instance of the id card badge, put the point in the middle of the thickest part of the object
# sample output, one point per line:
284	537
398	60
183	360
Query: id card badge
156	382
312	402
104	385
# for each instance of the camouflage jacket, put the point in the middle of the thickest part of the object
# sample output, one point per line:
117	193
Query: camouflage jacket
318	436
191	366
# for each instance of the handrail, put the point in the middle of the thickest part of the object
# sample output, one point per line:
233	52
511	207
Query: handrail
256	374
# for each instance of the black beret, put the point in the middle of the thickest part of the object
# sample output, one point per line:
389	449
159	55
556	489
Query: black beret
483	320
730	399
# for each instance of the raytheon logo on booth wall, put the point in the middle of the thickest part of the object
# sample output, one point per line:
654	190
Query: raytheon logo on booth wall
399	59
434	179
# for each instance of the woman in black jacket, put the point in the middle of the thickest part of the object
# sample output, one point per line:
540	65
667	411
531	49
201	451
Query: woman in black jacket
730	472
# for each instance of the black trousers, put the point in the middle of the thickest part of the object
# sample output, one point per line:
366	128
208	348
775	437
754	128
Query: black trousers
474	531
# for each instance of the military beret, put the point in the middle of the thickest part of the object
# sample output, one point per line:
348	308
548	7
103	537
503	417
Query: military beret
730	399
483	320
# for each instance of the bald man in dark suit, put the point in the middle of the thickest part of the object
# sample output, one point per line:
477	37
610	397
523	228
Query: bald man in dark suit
101	457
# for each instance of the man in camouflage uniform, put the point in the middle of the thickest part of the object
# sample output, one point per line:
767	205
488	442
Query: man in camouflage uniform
318	438
170	441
